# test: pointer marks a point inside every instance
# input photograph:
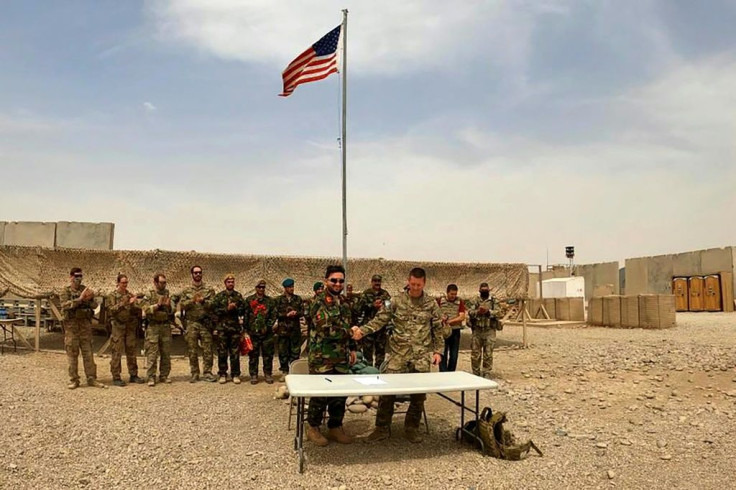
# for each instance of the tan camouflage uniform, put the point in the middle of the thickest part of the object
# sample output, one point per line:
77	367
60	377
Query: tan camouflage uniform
125	319
418	334
199	326
78	333
483	327
158	334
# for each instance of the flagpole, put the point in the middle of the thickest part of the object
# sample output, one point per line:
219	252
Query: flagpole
343	138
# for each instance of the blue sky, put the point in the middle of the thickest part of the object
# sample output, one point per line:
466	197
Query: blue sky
478	130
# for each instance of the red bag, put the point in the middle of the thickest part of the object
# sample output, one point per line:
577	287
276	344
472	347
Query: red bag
246	345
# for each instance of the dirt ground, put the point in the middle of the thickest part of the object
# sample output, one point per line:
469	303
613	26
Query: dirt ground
609	408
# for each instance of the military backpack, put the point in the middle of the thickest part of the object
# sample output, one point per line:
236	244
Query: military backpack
498	442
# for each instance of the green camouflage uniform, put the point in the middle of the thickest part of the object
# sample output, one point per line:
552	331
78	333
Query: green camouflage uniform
158	333
353	301
374	343
289	329
418	334
260	315
78	332
484	334
125	319
198	318
228	330
330	344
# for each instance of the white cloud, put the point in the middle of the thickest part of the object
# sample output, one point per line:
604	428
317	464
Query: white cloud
149	108
384	36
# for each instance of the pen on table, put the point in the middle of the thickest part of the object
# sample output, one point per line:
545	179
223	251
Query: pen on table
328	379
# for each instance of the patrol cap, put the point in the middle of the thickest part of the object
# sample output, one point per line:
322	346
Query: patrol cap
318	285
229	275
261	283
288	282
376	277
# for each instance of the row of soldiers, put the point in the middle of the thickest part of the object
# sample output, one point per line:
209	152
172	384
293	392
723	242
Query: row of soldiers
217	321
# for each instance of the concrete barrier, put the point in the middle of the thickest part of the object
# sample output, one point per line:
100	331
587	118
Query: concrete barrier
30	234
93	236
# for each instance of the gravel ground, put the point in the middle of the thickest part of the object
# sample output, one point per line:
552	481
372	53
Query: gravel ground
609	408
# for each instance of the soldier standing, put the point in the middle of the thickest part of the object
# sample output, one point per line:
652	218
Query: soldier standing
77	306
159	310
260	315
453	311
418	339
331	351
228	306
371	301
196	304
485	319
353	300
289	308
125	318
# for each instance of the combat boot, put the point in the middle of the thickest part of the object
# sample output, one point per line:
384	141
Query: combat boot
254	379
166	380
412	434
137	380
194	378
222	380
73	385
269	379
378	434
236	380
95	384
151	381
314	435
209	377
118	382
338	434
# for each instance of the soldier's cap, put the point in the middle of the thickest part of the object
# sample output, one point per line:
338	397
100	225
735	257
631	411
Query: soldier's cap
261	283
228	276
376	277
318	285
483	285
288	282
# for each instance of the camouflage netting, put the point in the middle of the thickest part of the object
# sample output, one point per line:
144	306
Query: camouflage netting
31	272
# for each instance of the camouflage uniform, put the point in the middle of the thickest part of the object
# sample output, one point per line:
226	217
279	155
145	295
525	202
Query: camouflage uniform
125	319
158	334
288	329
330	344
228	330
78	333
199	326
366	312
260	315
353	301
484	334
418	334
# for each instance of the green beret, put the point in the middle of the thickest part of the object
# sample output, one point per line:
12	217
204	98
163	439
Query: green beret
288	282
317	285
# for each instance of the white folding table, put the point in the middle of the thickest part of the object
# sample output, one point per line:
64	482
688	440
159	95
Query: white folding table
303	386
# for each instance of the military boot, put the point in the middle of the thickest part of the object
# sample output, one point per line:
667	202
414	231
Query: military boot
73	385
254	379
314	435
118	382
137	379
222	380
151	381
412	434
378	434
95	384
338	434
236	380
209	377
269	379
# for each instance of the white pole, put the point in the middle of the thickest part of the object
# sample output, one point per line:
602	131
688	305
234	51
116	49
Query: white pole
343	138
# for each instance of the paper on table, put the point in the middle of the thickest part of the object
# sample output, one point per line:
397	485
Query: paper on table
370	381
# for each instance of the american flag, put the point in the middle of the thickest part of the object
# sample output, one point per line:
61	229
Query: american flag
317	62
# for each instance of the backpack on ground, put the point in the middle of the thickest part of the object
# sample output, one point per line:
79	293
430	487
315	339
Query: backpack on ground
498	442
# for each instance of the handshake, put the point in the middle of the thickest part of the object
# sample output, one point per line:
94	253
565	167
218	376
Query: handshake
357	334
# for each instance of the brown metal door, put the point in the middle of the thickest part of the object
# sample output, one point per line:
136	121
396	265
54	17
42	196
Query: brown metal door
712	293
695	293
679	289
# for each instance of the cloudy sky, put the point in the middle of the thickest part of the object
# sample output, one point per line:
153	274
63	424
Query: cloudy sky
477	130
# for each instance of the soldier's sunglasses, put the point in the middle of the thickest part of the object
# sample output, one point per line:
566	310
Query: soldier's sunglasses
337	281
195	273
78	275
260	287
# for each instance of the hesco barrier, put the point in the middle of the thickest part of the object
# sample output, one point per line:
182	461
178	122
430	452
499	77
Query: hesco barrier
32	272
